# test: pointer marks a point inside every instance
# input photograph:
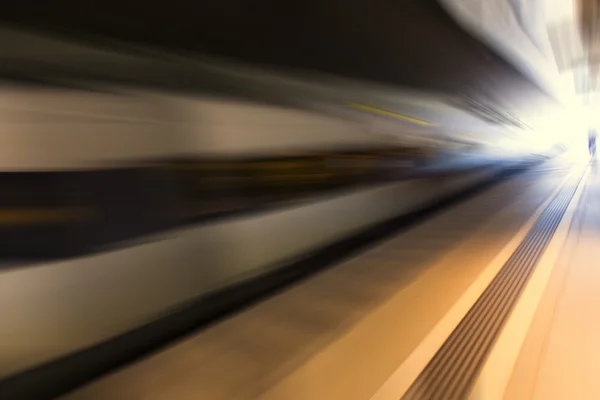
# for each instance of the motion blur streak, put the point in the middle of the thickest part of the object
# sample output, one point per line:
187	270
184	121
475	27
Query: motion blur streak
164	169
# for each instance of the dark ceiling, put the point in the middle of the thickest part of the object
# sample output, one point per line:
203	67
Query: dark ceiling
407	42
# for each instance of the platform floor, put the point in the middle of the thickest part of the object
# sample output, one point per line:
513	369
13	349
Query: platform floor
560	358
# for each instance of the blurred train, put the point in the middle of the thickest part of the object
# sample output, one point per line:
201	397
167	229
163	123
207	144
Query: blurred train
110	198
84	169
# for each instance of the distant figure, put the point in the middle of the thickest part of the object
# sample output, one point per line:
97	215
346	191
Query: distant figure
592	141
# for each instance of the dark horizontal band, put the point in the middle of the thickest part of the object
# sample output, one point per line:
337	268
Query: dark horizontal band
68	213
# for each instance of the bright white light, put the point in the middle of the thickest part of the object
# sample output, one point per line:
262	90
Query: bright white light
558	10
